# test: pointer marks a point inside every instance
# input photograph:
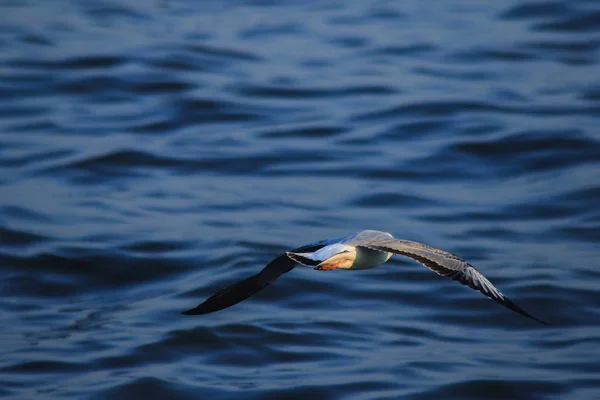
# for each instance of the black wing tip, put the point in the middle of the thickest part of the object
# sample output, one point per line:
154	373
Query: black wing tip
195	311
540	321
211	305
536	319
516	308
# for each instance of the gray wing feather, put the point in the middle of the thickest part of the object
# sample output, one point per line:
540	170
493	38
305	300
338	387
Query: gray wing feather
448	265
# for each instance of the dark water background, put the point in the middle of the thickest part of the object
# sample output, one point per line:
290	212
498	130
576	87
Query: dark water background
154	151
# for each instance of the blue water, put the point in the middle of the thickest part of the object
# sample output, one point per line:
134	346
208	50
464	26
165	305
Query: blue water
152	152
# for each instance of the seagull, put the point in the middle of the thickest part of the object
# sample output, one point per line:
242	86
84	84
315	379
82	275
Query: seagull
361	250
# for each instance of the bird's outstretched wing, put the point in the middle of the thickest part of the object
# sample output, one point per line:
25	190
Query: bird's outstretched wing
243	289
449	265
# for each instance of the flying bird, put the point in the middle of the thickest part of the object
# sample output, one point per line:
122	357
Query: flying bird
361	250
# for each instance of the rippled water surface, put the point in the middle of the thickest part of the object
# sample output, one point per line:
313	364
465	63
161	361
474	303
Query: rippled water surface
152	152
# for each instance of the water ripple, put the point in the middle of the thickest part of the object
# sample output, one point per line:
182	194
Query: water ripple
154	153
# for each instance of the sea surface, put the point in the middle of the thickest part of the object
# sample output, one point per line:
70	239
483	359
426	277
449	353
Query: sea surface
152	152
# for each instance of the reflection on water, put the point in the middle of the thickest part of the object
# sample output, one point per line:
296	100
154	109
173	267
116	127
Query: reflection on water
154	152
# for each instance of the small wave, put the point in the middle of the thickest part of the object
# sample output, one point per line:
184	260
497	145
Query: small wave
11	237
542	9
287	92
387	199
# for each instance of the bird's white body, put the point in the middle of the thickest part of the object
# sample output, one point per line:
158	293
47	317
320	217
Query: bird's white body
350	257
344	252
